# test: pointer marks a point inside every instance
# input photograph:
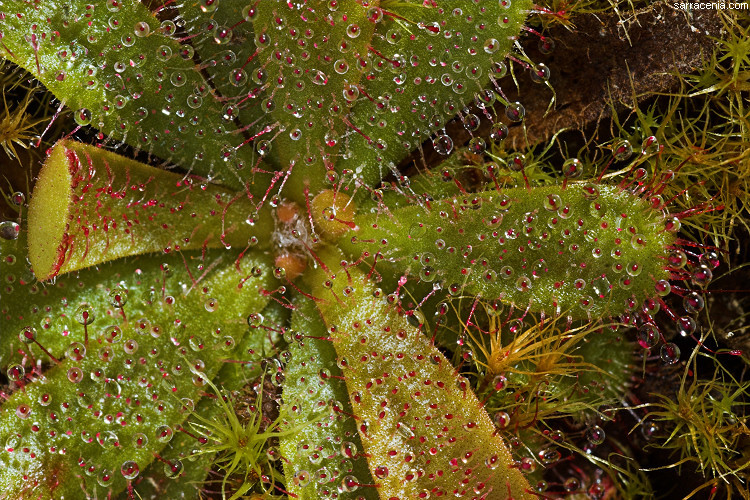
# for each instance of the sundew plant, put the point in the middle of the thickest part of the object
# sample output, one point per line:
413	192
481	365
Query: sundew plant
234	268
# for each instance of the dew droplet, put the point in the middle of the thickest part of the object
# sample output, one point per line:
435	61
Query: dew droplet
9	230
622	150
595	435
693	303
194	101
572	168
85	314
491	45
540	73
76	351
177	78
499	382
104	478
662	288
130	346
129	469
222	35
351	92
677	259
648	336
140	441
353	31
590	191
549	456
318	77
670	353
301	478
348	449
27	335
477	145
196	343
164	433
141	29
650	145
702	276
82	116
174	469
263	147
471	122
501	419
546	45
17	199
709	259
75	374
552	202
118	296
16	372
381	472
375	14
686	326
515	111
498	132
443	144
350	484
672	224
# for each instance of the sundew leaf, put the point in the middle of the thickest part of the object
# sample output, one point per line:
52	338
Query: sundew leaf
47	311
90	206
325	456
357	87
100	414
303	51
429	60
124	73
588	251
423	430
244	366
325	92
224	44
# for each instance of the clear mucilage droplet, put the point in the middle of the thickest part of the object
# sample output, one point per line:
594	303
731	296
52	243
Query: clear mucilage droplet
9	230
82	116
670	353
540	73
622	150
443	144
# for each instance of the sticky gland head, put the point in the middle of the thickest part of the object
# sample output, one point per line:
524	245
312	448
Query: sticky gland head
332	213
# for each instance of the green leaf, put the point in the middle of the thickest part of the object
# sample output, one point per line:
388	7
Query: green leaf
91	206
589	250
125	290
122	71
424	431
325	455
427	61
324	92
127	375
355	88
244	367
